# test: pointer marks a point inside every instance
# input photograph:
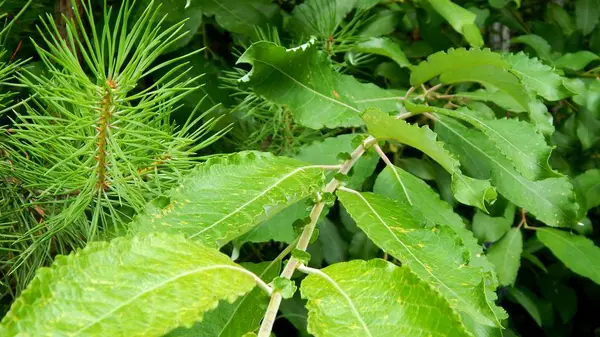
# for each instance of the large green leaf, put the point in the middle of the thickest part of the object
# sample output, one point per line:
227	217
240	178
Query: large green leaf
519	141
428	207
577	252
227	196
237	318
587	15
454	59
506	256
466	190
303	79
462	20
385	47
550	200
537	77
434	253
376	299
498	97
326	152
141	286
240	16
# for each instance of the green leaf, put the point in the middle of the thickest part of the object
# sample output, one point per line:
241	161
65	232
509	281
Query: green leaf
550	200
506	256
428	207
519	141
237	318
302	79
278	228
490	77
227	196
285	286
466	190
325	153
490	229
335	248
577	252
529	301
589	189
462	20
160	282
375	298
498	97
385	47
562	18
454	60
240	16
434	253
587	14
538	77
538	44
576	61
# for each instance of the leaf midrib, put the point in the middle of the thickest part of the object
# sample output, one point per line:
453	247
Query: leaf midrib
503	168
154	288
268	189
411	253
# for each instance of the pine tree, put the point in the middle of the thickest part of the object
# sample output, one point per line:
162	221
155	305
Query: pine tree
93	143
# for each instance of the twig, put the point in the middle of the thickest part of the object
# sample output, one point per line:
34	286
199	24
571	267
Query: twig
304	240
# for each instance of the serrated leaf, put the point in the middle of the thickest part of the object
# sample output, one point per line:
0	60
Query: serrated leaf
303	80
576	61
587	14
385	47
519	141
506	256
160	282
454	60
462	20
434	253
428	207
550	200
375	298
538	77
538	44
240	16
237	318
466	190
577	252
490	229
369	95
325	153
227	196
588	187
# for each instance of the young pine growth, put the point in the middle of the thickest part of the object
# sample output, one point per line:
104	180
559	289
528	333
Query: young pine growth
95	141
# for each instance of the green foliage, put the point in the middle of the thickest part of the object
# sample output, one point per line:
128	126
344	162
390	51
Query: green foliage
431	166
340	302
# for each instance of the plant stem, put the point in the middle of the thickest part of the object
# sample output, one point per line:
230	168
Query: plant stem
271	312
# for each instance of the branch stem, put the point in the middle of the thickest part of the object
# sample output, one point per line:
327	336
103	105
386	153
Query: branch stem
304	239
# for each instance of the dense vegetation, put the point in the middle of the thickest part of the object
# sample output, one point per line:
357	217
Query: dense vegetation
318	167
